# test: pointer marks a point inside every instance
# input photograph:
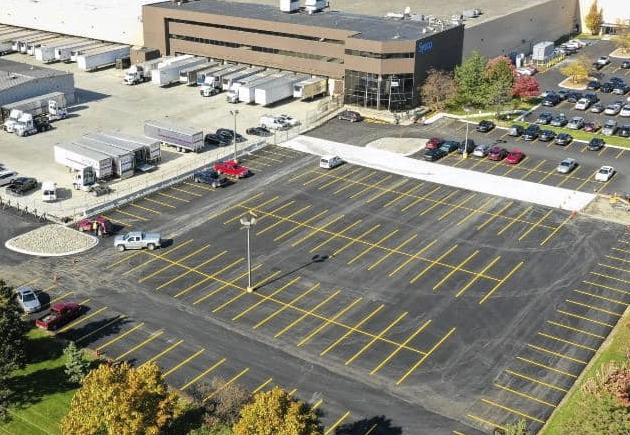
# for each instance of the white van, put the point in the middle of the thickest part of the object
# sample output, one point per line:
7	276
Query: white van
272	122
49	191
330	161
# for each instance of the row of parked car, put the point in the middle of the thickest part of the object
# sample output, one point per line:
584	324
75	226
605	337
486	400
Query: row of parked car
609	128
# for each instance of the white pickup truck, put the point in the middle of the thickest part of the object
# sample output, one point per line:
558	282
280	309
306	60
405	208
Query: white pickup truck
137	240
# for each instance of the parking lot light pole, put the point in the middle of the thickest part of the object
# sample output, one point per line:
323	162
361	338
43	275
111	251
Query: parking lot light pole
248	222
467	109
234	113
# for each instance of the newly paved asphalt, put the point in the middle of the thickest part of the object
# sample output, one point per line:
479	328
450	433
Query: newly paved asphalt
390	305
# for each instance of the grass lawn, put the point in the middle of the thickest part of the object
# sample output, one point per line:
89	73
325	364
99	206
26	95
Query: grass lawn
614	351
42	395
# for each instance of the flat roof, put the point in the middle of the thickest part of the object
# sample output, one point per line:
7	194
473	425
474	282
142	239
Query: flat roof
14	73
366	26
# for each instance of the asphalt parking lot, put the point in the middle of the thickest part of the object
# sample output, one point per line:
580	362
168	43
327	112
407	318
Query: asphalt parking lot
390	305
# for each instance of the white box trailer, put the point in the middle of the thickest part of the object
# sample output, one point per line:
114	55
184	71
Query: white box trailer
76	157
228	79
122	160
188	75
310	88
170	73
141	71
146	151
152	146
182	138
246	92
34	105
101	58
64	53
174	60
22	42
32	45
215	79
9	41
277	90
232	93
88	49
201	75
45	51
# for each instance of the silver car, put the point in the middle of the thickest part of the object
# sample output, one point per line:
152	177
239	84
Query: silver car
481	150
566	166
612	109
610	127
6	175
27	298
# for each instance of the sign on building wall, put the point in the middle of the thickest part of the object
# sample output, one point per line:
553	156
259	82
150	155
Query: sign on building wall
424	46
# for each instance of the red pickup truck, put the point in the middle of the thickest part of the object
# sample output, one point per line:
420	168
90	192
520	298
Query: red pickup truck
60	314
231	168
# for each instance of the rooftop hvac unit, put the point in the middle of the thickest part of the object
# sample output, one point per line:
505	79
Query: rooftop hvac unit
314	5
289	5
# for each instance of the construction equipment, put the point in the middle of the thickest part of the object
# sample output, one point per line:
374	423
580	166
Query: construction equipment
620	201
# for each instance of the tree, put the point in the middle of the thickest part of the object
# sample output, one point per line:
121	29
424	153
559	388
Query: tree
219	429
525	87
121	400
12	331
76	364
274	412
594	18
221	402
500	75
578	69
438	89
471	81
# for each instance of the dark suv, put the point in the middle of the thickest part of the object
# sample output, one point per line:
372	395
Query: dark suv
209	177
350	115
531	132
468	145
21	185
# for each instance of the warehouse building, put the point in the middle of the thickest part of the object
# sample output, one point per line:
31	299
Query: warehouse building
373	61
19	81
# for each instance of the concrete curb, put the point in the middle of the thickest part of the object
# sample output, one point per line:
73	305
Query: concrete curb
8	245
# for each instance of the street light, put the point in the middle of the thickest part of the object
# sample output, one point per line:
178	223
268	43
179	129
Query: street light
234	112
467	109
249	221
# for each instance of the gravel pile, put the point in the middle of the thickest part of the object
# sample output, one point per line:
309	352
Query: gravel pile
51	240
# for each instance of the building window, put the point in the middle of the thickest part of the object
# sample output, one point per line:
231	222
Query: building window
380	55
385	92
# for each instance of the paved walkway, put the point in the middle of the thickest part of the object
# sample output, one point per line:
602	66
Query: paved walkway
388	161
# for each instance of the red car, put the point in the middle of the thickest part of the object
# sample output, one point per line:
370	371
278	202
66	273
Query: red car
592	127
104	226
60	314
231	168
497	153
514	156
434	142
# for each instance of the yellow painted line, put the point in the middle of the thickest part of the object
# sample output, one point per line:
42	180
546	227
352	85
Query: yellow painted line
244	292
619	154
390	253
190	358
562	325
526	396
292	392
276	210
328	322
250	209
150	210
337	423
308	221
459	266
433	263
588	319
426	356
118	221
114	320
487	422
240	204
120	336
151	260
50	287
307	313
614	289
512	410
421	198
559	355
372	186
261	386
495	215
518	219
535	225
30	283
555	231
537	364
155	201
477	276
473	213
517	267
570	177
608	266
208	278
168	266
354	240
334	235
266	298
369	248
353	182
58	298
227	284
439	202
612	313
562	340
211	395
132	215
176	198
536	381
128	257
394	187
315	231
303	209
350	331
172	280
614	301
456	432
586	180
81	320
457	206
335	179
186	191
535	168
317	404
416	256
164	352
144	343
204	373
398	349
284	307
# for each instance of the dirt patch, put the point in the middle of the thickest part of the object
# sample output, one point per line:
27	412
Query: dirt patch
618	53
600	208
569	84
405	145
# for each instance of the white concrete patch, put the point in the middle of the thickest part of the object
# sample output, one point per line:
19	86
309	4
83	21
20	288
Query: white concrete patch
520	190
399	145
51	241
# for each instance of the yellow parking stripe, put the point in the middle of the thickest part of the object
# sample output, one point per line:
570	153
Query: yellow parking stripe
457	206
81	320
617	258
131	214
383	192
327	322
474	212
308	221
552	369
251	209
354	240
114	320
517	267
337	423
390	253
353	183
284	307
439	202
614	289
307	313
495	215
58	298
186	191
204	373
487	422
210	260
513	411
120	337
261	386
427	355
176	198
612	313
420	198
559	355
562	340
350	331
145	342
608	266
526	396
513	221
225	284
237	205
477	276
333	236
168	266
208	278
266	298
459	266
378	243
537	381
190	358
164	352
555	231
335	179
614	301
317	404
577	316
151	260
315	231
433	263
531	228
395	352
150	210
562	325
155	201
415	256
215	392
281	221
244	292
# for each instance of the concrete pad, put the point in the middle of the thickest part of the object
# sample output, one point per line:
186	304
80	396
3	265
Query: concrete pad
619	54
51	241
399	145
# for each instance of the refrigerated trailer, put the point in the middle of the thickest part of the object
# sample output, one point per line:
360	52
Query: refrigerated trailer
76	158
228	79
32	45
88	49
247	92
215	79
64	53
35	105
182	138
45	51
277	90
164	76
188	75
310	88
232	93
103	57
202	75
22	43
122	160
146	151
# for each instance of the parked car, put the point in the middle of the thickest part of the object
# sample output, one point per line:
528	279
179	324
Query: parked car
228	134
434	142
350	115
605	60
21	185
620	89
531	132
272	122
231	168
573	97
481	150
137	240
593	85
625	64
485	126
560	120
551	100
258	131
592	127
612	109
515	130
592	97
210	177
605	173
497	153
60	314
566	165
547	135
6	175
216	140
330	161
614	80
104	226
624	130
582	104
544	118
597	108
576	123
610	127
434	154
625	110
562	93
288	119
467	145
598	65
449	146
607	87
564	139
596	144
27	299
514	156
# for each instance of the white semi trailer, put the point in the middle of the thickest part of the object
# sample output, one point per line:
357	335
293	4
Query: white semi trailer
228	80
188	75
232	94
122	160
76	158
146	151
201	75
87	49
49	40
182	138
310	88
45	51
246	92
64	52
277	90
141	72
168	74
102	58
22	43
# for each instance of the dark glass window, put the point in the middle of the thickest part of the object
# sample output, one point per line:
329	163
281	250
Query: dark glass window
388	92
